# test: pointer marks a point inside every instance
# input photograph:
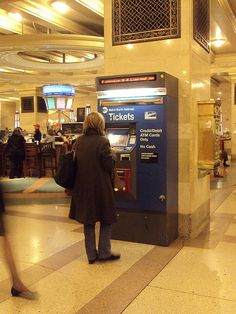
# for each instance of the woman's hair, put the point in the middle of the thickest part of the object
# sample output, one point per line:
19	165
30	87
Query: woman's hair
50	132
17	131
94	120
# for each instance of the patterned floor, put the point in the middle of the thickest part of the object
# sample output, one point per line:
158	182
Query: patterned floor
195	277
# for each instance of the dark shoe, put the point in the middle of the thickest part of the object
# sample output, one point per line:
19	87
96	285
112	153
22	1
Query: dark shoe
112	257
226	165
92	261
24	294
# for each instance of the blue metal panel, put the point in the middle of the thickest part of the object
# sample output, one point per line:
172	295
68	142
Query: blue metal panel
150	151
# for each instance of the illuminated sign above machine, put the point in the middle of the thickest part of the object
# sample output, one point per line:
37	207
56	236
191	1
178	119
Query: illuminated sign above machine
118	80
58	90
132	93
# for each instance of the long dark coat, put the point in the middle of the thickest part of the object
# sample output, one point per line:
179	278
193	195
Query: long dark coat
15	147
2	210
92	195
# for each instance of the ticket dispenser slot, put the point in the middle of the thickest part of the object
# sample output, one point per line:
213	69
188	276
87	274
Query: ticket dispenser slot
124	175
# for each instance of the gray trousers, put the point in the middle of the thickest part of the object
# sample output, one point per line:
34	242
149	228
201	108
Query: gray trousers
104	243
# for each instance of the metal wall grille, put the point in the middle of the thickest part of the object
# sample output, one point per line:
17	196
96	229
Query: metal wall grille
139	21
201	23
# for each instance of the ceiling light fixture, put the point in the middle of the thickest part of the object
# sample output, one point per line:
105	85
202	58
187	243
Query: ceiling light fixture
60	6
218	42
15	16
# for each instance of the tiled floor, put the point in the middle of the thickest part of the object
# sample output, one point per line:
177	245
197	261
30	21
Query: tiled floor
197	276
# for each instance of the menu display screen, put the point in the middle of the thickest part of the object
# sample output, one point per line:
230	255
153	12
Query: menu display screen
61	103
118	137
69	103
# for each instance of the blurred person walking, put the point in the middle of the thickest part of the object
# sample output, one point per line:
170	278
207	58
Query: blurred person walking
93	196
18	288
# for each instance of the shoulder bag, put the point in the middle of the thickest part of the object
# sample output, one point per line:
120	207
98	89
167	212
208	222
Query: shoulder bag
66	171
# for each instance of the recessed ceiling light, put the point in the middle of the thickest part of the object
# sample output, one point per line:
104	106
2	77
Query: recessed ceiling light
60	6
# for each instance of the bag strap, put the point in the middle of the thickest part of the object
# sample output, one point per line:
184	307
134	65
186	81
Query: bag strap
74	148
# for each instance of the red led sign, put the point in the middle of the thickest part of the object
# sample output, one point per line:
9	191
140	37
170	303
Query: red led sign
119	80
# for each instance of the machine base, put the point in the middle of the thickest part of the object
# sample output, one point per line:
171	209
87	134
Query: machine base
145	227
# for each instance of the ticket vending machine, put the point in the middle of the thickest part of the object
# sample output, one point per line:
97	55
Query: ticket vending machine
141	114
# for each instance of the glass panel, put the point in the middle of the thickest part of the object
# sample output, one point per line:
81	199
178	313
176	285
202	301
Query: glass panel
61	103
51	103
69	103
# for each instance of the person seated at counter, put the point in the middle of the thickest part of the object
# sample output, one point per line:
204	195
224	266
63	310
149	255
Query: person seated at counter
59	133
37	133
50	138
15	151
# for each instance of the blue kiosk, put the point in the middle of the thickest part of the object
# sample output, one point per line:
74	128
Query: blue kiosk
141	114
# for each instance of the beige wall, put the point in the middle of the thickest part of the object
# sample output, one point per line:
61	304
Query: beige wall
233	122
84	100
7	114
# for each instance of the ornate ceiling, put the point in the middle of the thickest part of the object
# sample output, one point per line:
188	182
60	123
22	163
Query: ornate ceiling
46	46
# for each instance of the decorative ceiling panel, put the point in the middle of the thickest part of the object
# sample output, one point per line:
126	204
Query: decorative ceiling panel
139	21
201	23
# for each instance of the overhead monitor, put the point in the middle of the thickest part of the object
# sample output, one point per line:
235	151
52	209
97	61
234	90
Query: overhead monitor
51	103
118	137
58	90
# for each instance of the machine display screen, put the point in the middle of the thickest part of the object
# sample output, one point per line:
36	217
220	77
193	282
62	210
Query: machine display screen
118	137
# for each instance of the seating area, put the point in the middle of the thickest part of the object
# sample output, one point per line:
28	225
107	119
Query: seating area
40	160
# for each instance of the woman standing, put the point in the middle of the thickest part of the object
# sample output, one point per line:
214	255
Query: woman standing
92	196
16	152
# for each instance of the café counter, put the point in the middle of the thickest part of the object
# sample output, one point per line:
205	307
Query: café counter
40	159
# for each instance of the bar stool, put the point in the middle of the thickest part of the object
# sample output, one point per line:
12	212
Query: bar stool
31	164
47	158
